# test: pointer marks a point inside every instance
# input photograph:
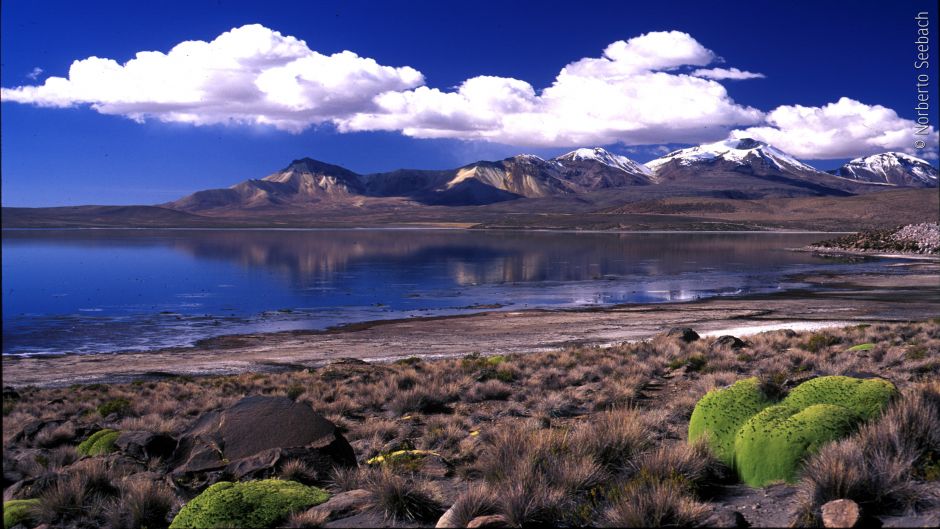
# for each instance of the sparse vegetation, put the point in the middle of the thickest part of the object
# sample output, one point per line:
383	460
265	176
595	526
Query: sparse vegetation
584	436
251	504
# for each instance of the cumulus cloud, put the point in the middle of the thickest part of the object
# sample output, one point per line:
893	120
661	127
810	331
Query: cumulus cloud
656	88
720	74
34	73
844	129
634	94
249	75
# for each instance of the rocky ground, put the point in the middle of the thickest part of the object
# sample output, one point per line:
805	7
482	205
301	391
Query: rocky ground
580	436
923	238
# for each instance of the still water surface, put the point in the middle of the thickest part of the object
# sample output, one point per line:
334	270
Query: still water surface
89	291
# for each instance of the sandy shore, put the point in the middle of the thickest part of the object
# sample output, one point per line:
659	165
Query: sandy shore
912	293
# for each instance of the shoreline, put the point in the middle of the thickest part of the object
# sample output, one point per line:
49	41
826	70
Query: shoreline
850	299
429	227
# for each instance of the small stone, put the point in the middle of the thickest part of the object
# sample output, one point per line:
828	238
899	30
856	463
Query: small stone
492	520
344	504
447	519
727	519
840	513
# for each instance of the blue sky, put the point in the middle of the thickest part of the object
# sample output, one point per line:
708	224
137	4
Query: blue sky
808	54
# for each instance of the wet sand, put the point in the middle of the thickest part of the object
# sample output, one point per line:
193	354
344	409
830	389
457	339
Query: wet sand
912	294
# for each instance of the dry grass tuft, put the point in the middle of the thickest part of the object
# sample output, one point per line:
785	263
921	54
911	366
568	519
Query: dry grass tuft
403	498
654	504
308	519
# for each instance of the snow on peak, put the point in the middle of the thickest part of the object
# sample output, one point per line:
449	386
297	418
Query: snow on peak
887	157
607	158
527	158
889	167
735	150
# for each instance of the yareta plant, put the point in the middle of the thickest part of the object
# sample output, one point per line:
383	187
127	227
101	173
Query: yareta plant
766	442
249	504
722	412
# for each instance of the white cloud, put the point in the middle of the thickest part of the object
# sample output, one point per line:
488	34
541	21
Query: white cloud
253	75
720	74
844	129
632	95
34	73
655	88
249	75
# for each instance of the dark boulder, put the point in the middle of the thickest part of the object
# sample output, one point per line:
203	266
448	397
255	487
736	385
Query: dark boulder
728	342
685	334
145	445
253	438
32	428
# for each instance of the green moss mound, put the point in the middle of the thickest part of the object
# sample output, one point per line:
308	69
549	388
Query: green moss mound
771	445
249	504
18	511
861	347
100	443
865	397
765	442
721	413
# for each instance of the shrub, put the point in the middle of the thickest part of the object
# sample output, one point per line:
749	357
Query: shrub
693	466
720	414
529	502
64	499
18	511
308	519
819	341
142	504
120	406
402	498
645	503
248	504
100	443
299	471
294	391
612	438
476	501
346	478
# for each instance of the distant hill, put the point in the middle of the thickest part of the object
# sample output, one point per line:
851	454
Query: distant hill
732	182
737	168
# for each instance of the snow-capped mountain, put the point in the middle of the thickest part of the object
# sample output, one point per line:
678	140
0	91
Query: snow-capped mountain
739	167
736	153
893	168
607	158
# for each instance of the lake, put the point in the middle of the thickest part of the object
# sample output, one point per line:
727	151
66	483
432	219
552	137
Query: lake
87	291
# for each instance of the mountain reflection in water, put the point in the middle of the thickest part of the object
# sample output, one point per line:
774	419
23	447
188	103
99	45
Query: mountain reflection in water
104	290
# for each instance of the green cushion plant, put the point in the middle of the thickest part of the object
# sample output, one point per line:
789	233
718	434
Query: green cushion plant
766	441
249	504
722	412
771	445
100	443
18	511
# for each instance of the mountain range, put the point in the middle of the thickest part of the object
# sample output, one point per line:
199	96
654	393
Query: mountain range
737	184
737	168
